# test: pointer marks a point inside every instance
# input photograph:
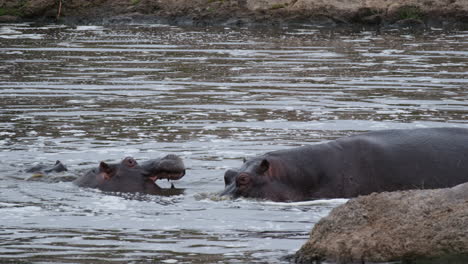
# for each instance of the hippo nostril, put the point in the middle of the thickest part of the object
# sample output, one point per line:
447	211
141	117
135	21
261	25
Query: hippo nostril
171	157
130	162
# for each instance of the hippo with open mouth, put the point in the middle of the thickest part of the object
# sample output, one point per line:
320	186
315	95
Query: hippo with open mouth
130	176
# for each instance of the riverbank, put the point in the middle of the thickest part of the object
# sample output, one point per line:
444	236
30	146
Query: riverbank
330	13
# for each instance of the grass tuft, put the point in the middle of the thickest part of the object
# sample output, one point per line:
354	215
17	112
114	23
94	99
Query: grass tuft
410	12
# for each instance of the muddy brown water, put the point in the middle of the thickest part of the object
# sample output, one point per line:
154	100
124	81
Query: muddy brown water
82	94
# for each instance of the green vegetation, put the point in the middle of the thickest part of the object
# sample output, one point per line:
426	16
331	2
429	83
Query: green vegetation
135	2
410	12
213	1
278	6
10	11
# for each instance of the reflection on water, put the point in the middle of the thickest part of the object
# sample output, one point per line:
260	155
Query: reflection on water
213	96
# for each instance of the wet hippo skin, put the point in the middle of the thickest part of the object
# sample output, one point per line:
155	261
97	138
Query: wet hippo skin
44	169
129	176
386	160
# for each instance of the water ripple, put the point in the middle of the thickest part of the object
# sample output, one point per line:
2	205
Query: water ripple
90	93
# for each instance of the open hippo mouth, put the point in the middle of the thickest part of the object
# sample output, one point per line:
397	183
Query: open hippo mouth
169	175
170	167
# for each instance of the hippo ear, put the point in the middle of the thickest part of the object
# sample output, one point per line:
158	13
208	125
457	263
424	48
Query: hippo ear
106	171
264	166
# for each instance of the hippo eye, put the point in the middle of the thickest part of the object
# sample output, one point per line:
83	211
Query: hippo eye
130	162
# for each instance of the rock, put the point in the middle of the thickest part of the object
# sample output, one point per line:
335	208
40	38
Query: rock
367	16
266	4
38	7
410	23
393	226
348	5
372	20
9	19
147	6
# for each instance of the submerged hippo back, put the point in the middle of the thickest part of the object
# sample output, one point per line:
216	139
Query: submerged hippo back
390	160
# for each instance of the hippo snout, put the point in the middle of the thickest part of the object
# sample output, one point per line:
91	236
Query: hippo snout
170	167
229	190
229	176
230	182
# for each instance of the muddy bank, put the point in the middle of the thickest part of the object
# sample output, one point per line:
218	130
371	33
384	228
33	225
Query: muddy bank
412	13
407	225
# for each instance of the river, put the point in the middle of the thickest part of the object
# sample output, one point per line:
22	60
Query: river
84	94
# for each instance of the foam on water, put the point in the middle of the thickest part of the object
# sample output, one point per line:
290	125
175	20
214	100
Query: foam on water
87	28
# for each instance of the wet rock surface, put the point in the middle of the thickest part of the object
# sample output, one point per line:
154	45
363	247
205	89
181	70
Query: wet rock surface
394	226
402	13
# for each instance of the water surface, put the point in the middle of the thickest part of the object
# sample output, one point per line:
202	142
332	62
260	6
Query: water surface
82	94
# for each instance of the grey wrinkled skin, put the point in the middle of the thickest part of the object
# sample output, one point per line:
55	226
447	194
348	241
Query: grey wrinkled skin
378	161
129	176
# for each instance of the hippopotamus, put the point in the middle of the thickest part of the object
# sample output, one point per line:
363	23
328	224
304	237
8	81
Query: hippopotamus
49	173
129	176
378	161
42	169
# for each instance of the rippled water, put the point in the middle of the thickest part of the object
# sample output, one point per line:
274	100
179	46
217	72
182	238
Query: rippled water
213	96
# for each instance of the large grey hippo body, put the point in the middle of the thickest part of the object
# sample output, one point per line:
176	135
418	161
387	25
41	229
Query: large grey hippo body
378	161
129	176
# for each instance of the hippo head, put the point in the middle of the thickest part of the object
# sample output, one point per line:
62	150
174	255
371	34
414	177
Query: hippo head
43	169
170	167
257	178
129	176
